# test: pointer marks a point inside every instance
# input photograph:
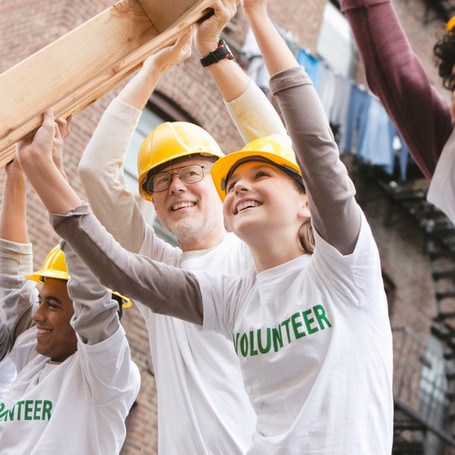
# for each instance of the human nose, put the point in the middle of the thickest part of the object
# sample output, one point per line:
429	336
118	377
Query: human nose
240	186
176	183
38	315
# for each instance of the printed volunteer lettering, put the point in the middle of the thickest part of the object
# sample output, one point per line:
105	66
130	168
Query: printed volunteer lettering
314	320
27	410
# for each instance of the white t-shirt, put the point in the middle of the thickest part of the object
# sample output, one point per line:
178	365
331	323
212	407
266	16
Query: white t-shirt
78	406
315	346
442	186
75	407
7	374
188	363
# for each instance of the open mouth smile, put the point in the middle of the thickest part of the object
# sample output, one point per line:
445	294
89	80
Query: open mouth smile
182	205
244	205
42	332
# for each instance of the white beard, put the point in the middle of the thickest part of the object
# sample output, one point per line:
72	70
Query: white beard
188	228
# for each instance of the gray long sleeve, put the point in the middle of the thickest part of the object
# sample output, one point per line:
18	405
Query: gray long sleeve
95	313
335	213
18	295
164	289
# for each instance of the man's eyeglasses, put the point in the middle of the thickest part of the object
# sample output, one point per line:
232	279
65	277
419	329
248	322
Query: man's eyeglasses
161	181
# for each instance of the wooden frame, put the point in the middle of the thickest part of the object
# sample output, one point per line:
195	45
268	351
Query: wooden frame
81	66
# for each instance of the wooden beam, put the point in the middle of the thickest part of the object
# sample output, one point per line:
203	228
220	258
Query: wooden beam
166	13
81	66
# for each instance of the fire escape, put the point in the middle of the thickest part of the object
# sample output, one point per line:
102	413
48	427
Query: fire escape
424	372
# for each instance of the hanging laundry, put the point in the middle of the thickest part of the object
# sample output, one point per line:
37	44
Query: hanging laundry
401	151
327	87
356	119
311	65
257	70
339	111
376	147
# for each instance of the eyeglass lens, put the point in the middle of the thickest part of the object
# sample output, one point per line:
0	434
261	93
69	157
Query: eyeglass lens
187	174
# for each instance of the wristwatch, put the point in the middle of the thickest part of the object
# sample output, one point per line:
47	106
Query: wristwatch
220	53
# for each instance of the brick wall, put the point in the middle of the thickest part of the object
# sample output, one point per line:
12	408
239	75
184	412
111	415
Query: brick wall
28	25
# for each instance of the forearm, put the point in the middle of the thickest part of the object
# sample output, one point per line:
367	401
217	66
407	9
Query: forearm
138	90
17	294
13	223
275	52
334	211
396	75
95	313
53	189
229	78
164	289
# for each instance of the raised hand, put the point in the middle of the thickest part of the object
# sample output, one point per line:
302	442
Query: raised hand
208	32
138	90
35	154
171	55
37	146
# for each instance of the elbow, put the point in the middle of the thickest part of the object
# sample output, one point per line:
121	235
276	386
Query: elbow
87	170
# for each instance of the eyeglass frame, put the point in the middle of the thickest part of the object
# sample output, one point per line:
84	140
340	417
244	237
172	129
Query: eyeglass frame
150	176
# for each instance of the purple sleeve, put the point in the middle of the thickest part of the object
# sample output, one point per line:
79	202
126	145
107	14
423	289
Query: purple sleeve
396	75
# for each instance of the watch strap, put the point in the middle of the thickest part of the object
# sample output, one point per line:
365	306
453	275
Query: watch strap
220	53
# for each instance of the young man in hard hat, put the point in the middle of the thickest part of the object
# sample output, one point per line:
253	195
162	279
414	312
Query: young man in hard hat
199	383
75	380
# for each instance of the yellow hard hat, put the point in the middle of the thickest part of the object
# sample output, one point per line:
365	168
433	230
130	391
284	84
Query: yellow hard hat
276	148
169	141
54	266
450	24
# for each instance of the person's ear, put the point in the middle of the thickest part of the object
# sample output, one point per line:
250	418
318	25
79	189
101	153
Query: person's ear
304	209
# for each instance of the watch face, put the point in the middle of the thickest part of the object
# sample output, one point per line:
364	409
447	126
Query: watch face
227	53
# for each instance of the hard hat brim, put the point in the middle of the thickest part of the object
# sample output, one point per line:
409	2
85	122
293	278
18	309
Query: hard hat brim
221	168
40	274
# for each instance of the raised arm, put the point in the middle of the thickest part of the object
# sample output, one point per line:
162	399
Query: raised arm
248	106
335	213
396	75
17	295
95	313
13	224
101	165
138	277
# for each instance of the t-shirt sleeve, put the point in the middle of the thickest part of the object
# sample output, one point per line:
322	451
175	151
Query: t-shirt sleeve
357	276
108	369
222	300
